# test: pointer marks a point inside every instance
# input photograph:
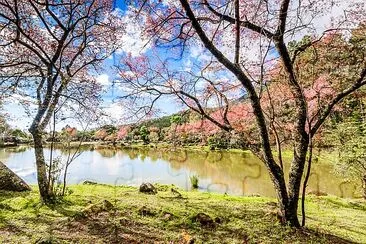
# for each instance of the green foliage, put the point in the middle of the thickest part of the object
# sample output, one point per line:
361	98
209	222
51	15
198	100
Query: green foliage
4	126
161	122
194	181
19	134
294	45
7	134
190	139
110	129
144	134
352	150
219	141
176	119
85	135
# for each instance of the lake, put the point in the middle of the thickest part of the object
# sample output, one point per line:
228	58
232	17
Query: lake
236	173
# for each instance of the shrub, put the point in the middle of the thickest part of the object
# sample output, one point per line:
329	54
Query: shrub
219	141
194	181
144	134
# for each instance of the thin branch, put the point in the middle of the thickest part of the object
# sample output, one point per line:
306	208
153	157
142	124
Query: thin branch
361	81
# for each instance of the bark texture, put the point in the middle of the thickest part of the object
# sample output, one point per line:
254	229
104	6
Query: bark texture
9	181
364	187
46	193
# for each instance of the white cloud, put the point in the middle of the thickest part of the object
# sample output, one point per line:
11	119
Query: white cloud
18	117
198	51
318	17
114	113
103	79
19	99
133	41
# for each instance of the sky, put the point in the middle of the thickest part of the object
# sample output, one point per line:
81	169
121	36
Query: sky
18	117
134	45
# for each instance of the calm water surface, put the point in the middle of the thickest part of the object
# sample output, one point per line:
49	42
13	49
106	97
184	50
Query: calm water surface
224	172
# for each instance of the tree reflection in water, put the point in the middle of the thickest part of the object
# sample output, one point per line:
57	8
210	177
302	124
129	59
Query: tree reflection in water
239	173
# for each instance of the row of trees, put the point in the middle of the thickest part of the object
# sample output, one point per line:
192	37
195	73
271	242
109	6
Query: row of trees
11	135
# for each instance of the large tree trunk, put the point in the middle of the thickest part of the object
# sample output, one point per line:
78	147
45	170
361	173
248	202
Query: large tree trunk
44	190
288	197
295	177
364	187
291	212
287	206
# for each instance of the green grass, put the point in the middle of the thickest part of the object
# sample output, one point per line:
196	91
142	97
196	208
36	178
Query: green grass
169	216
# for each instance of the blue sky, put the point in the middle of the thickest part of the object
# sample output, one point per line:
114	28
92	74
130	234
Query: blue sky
134	43
112	91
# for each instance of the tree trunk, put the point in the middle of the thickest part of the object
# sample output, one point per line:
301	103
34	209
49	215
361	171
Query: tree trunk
44	190
291	212
364	187
288	198
295	176
287	209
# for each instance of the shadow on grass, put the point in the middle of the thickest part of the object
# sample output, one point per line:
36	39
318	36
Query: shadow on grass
117	227
33	204
60	208
4	195
240	221
11	228
305	233
361	205
6	207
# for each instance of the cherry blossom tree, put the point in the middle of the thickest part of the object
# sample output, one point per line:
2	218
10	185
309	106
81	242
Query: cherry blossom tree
49	50
123	132
100	134
69	132
259	53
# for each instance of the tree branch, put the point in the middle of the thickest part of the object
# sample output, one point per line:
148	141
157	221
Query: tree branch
245	24
361	81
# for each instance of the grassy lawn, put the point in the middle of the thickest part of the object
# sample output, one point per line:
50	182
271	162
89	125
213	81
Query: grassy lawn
169	217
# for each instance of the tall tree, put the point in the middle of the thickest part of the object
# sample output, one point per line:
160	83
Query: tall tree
48	49
236	47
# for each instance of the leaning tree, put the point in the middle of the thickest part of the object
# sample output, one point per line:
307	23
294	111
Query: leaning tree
240	62
49	51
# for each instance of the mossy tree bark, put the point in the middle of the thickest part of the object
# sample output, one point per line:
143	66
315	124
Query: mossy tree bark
46	193
364	187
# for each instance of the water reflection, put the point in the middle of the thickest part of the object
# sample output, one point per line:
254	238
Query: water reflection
218	171
107	153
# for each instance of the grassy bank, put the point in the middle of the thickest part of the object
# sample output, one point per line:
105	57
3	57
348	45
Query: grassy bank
85	217
118	145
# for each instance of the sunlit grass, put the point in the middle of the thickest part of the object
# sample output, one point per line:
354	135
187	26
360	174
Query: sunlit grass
170	217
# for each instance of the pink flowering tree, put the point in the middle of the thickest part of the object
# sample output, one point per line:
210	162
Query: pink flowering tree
49	51
123	132
244	51
100	134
